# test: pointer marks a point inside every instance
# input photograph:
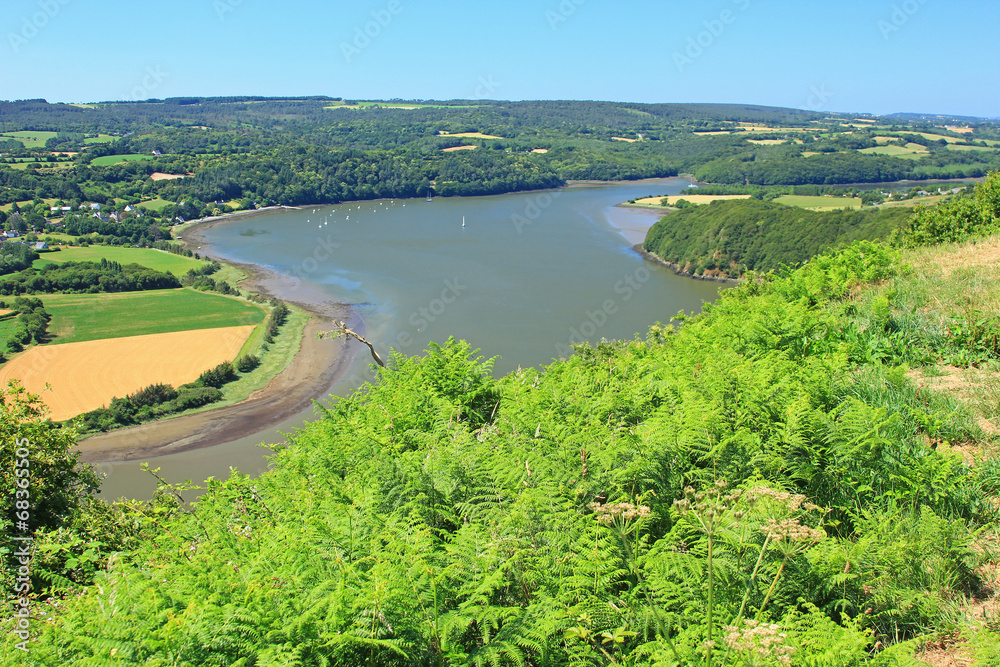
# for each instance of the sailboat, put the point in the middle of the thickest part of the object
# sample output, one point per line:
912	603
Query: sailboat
463	221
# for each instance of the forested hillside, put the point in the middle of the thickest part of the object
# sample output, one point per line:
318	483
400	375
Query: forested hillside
250	152
725	239
763	485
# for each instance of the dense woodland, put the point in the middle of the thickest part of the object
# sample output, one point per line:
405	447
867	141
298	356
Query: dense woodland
725	239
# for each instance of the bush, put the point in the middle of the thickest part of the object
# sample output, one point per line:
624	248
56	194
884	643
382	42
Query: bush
195	398
218	376
247	363
154	394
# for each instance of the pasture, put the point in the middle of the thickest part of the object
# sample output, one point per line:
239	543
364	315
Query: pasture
156	205
910	151
157	260
30	138
819	203
83	317
86	375
108	160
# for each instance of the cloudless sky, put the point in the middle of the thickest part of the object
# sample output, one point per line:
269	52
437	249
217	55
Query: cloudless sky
869	56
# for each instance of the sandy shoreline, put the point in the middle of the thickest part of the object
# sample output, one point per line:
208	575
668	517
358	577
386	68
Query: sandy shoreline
316	367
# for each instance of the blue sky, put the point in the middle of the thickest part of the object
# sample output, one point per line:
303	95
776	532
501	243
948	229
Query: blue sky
875	56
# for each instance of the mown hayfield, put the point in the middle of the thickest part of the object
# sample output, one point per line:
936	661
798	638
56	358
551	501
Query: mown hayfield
694	199
909	151
115	159
157	260
83	317
806	201
474	135
84	376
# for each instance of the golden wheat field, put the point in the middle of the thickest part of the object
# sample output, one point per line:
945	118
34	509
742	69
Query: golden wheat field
87	375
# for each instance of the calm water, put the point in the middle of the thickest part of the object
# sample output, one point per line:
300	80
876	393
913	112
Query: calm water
525	277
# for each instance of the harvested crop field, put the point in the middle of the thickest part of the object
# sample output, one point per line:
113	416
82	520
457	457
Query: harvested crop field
87	375
693	199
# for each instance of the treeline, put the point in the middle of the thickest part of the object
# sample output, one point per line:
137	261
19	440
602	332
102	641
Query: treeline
33	322
158	400
724	239
15	257
86	277
816	169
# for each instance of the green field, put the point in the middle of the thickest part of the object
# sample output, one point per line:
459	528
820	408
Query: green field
804	201
956	147
910	151
158	260
99	139
81	317
30	138
155	204
7	327
22	204
115	159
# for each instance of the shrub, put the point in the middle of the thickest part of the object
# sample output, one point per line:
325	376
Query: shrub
247	363
218	376
154	394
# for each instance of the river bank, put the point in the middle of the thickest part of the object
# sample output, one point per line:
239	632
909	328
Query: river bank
317	366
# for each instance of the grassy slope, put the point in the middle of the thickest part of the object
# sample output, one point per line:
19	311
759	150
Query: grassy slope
80	317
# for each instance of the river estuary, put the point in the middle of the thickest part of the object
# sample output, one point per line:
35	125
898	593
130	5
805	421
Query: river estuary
520	276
